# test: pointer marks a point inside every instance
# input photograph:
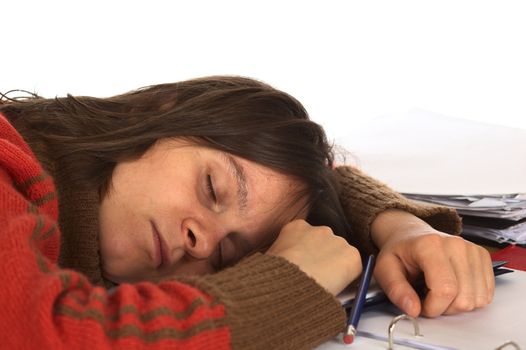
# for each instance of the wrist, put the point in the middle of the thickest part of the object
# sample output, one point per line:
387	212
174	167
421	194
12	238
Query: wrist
395	224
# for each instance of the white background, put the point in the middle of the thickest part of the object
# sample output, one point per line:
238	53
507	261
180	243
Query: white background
347	61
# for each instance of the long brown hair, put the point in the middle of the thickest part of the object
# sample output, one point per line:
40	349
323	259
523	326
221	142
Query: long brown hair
237	115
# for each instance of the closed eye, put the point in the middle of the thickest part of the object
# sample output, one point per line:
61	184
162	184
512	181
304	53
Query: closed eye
210	188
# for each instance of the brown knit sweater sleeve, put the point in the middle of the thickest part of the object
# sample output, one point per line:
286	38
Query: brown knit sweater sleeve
363	198
272	304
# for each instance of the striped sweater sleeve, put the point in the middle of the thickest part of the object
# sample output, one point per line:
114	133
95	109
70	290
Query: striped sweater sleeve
259	304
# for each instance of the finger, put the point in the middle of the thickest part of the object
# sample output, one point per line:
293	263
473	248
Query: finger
479	268
488	272
390	275
467	266
482	273
439	276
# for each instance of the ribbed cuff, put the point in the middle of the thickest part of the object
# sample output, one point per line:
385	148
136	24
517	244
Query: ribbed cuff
272	304
363	198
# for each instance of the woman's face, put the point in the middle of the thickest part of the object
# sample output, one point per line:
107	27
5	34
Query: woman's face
187	209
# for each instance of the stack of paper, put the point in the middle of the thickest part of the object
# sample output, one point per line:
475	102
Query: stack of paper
498	218
502	231
477	168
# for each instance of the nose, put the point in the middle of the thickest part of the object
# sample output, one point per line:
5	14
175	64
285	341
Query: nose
201	240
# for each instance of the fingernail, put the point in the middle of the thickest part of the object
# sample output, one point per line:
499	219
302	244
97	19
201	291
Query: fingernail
407	304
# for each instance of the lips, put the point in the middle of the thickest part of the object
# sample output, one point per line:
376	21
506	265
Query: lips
160	256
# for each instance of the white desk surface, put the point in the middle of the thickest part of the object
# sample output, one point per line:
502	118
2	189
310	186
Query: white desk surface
504	319
423	152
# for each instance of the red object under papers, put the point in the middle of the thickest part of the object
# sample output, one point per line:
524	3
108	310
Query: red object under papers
515	256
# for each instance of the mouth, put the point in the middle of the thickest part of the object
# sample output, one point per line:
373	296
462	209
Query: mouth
160	255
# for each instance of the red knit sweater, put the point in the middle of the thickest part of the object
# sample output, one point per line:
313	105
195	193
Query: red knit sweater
44	306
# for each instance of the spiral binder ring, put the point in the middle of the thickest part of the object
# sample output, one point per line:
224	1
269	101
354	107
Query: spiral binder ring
509	342
394	321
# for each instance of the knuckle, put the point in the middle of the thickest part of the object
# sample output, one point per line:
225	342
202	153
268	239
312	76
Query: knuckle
464	303
325	230
343	242
354	255
352	249
457	245
447	290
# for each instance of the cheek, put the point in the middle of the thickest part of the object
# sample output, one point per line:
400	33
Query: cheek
121	236
122	258
115	248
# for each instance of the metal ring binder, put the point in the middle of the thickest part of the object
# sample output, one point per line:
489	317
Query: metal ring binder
416	344
390	330
509	342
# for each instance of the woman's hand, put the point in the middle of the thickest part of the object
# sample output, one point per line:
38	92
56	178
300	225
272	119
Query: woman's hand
458	274
327	258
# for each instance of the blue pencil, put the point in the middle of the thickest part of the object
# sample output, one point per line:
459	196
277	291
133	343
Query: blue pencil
359	300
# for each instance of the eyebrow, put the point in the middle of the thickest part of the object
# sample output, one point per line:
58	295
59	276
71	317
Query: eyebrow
237	171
